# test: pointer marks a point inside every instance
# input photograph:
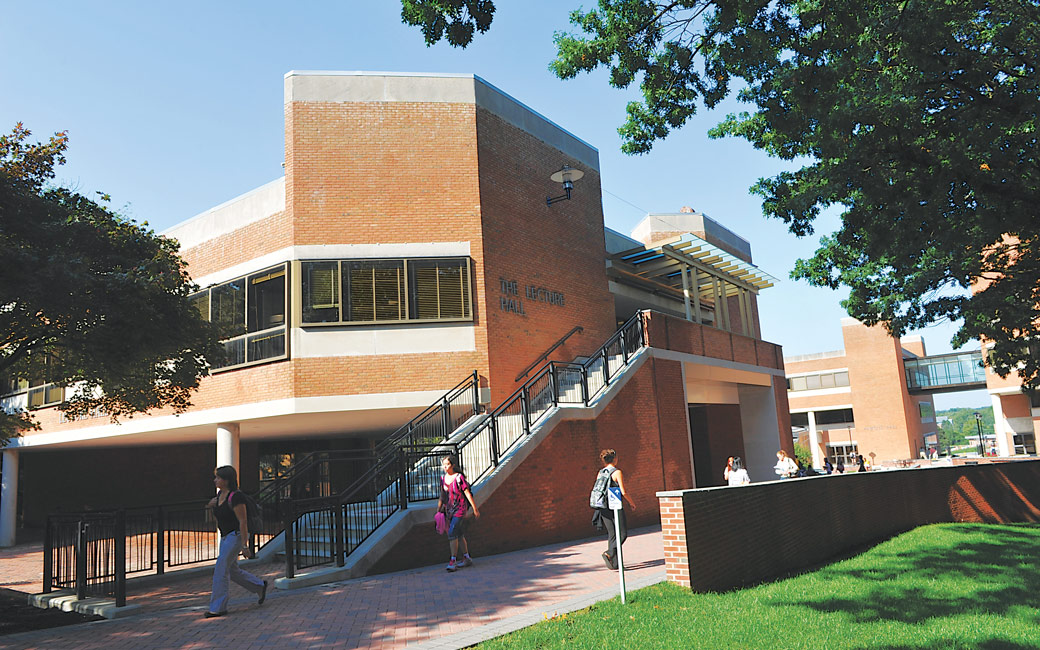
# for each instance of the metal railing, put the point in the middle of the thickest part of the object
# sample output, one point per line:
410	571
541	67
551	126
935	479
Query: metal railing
327	530
80	548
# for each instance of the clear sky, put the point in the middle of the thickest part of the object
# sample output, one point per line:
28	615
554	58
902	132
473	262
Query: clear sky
173	108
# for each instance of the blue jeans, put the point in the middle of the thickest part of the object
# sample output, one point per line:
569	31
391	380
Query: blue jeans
226	570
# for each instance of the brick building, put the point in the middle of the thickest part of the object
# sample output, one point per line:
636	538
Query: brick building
857	401
409	245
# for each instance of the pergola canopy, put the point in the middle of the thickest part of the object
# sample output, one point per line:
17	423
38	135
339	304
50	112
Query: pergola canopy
663	263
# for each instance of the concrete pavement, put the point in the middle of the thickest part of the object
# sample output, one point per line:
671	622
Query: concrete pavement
421	608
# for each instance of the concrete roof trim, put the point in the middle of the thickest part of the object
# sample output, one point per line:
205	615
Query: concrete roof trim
342	86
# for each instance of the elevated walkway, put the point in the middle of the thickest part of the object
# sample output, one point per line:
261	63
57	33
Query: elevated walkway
945	373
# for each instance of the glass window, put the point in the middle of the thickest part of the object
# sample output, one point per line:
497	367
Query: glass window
835	416
200	301
812	382
320	284
375	289
266	300
228	305
827	381
250	312
799	419
438	289
797	383
841	379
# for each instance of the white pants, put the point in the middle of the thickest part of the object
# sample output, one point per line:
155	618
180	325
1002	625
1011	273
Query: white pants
226	570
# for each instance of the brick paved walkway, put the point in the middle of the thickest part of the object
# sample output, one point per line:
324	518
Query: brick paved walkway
499	594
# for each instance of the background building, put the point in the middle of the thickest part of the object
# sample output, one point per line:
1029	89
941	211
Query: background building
857	400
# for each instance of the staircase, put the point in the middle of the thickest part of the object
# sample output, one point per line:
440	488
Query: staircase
351	530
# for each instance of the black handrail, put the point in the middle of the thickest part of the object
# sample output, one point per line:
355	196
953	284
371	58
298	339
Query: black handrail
545	355
483	447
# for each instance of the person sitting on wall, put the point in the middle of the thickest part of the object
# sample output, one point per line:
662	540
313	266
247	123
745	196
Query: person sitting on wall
828	467
862	465
840	467
785	466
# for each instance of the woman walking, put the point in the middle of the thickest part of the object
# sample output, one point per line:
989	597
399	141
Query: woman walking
456	499
614	478
229	508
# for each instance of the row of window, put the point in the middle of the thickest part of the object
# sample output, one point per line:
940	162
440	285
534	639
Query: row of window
381	291
38	387
251	311
816	382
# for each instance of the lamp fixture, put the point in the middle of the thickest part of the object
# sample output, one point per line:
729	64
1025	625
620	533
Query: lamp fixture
567	175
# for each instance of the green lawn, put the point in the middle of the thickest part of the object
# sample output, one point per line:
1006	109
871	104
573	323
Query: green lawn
940	587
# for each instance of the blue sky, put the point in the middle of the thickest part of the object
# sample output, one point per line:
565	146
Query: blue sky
175	108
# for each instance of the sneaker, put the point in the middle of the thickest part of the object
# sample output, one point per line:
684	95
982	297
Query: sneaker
451	566
466	562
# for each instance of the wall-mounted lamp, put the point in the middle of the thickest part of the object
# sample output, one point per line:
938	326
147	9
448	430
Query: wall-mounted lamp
567	176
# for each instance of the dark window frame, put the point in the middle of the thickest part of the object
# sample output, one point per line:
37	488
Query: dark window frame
408	292
247	337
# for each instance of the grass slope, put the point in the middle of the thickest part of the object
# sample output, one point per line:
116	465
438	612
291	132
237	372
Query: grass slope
939	587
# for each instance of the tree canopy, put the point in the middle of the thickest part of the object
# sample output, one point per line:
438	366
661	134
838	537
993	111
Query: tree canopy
916	118
89	300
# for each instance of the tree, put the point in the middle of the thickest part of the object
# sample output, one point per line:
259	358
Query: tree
89	300
916	118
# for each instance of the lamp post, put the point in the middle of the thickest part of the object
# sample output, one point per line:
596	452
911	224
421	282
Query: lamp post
978	425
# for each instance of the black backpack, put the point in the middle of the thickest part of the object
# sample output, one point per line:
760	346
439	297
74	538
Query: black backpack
254	512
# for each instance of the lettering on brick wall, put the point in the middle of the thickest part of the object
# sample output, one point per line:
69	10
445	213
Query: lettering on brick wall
510	299
95	412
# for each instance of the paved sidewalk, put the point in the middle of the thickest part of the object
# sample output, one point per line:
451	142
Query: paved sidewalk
426	608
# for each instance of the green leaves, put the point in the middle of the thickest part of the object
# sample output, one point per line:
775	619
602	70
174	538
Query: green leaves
916	118
92	301
453	20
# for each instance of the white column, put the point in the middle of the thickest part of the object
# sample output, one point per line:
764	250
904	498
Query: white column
9	498
814	441
696	294
1000	428
227	445
686	292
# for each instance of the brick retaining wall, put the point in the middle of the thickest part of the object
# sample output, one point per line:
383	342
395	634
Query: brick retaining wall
723	538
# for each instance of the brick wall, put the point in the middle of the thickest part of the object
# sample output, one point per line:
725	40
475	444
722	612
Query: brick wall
545	499
559	248
725	538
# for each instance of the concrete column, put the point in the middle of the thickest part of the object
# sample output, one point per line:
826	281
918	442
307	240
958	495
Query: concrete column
227	445
760	429
9	498
814	441
1001	429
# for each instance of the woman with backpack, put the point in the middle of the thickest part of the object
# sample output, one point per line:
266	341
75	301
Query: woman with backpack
610	476
229	509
